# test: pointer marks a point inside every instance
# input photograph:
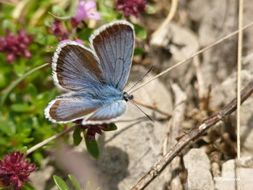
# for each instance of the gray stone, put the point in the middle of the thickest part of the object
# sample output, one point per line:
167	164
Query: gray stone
130	151
224	93
198	168
180	43
231	176
216	19
227	180
40	177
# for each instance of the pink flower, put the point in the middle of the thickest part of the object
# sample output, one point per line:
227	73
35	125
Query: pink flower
59	30
15	170
86	9
15	45
131	7
76	40
92	130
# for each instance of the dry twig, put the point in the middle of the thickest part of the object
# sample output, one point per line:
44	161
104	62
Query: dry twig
191	136
161	32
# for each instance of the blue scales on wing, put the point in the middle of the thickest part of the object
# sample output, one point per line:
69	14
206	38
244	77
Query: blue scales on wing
107	113
83	104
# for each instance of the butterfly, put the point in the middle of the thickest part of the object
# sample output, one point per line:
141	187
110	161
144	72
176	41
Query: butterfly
93	77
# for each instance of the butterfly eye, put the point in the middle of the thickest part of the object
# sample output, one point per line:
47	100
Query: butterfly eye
130	97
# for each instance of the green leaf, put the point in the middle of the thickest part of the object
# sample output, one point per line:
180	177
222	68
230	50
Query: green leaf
92	147
31	89
140	32
138	51
60	183
58	11
3	80
41	39
21	108
21	67
150	9
38	157
23	149
77	138
85	34
27	186
111	127
7	126
74	182
6	91
8	25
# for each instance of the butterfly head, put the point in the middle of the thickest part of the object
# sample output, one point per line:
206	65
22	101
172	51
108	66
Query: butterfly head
127	96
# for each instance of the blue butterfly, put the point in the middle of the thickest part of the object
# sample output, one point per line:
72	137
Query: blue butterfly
94	77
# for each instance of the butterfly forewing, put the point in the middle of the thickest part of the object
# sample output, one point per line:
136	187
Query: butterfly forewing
114	45
75	67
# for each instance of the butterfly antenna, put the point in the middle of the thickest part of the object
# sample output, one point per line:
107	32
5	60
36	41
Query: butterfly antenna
150	69
142	111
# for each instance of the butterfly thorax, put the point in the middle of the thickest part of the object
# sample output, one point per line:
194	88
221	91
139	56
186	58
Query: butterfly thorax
127	96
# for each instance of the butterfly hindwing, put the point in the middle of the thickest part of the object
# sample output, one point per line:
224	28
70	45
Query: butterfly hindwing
83	104
114	44
71	107
107	113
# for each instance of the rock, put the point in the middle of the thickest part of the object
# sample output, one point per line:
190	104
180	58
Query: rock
198	168
224	93
129	152
247	63
40	177
246	162
79	164
215	19
181	42
226	181
173	44
229	177
248	14
245	177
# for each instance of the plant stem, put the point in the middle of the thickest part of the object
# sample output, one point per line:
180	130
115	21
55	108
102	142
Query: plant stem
7	91
46	141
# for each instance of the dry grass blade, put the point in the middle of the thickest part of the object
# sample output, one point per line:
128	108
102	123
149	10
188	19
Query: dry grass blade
239	67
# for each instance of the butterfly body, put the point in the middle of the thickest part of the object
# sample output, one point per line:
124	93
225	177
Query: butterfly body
94	77
127	96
